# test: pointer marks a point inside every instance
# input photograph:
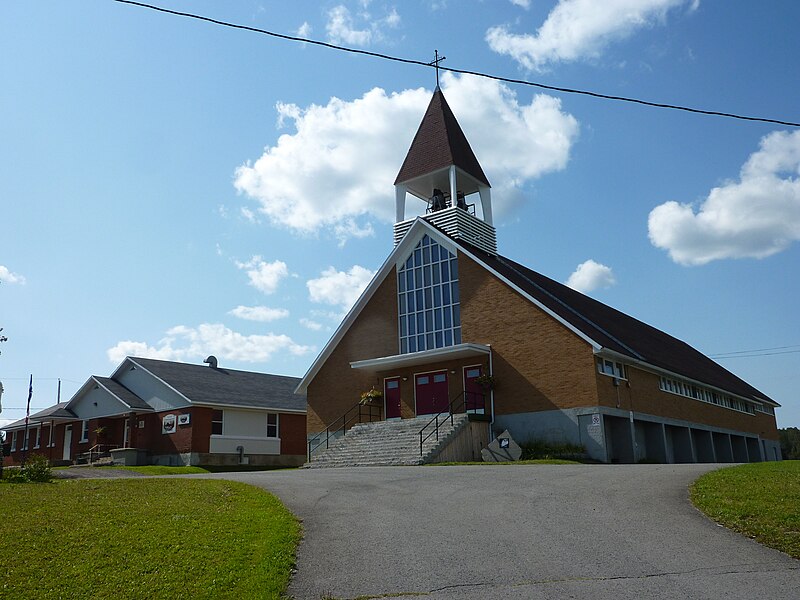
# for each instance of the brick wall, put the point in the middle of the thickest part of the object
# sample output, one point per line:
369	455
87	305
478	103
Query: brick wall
293	433
641	393
337	387
538	363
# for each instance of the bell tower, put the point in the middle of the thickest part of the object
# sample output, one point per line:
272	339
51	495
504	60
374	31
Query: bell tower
441	170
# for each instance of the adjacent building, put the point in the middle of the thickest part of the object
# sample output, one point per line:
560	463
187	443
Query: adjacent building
171	413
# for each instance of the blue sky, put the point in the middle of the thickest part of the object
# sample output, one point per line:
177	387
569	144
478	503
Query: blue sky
175	189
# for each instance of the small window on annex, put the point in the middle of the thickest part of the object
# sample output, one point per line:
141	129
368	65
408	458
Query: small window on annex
216	422
84	431
272	425
428	298
610	367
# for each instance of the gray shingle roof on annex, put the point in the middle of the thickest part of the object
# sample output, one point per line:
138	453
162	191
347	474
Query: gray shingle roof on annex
122	393
55	412
202	384
615	330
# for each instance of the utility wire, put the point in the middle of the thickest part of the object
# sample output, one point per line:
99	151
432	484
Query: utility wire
460	71
753	355
721	354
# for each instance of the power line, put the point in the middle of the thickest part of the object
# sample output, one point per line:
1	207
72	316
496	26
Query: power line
792	349
460	71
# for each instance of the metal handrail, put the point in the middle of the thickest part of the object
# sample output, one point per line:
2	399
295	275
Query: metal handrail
98	449
341	423
461	398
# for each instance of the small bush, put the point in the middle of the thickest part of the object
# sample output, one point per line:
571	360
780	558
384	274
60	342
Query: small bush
37	469
540	449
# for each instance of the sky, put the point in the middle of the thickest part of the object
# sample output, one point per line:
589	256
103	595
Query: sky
172	188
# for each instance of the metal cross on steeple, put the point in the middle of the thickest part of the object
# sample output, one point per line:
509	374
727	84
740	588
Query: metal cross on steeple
435	63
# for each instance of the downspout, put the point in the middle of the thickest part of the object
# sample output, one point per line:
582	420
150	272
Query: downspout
491	396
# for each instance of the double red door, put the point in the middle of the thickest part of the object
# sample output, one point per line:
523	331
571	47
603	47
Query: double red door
431	393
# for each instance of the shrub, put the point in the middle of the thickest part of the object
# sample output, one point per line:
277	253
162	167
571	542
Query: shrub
539	449
37	469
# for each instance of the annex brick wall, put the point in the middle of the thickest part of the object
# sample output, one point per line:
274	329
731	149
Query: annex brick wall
538	363
293	433
641	393
337	387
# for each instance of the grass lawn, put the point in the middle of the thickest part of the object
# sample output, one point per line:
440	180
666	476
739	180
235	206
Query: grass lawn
144	538
162	470
759	500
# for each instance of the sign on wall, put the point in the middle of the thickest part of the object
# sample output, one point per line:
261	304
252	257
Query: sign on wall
168	424
184	419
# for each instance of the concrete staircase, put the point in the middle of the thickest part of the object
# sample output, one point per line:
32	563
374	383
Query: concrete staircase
384	443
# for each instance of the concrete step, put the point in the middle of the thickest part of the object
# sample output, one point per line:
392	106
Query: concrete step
386	443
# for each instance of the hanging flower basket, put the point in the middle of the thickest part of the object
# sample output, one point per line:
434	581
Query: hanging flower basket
372	396
485	381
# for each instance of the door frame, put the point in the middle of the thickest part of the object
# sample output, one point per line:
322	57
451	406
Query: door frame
66	452
464	384
386	395
434	371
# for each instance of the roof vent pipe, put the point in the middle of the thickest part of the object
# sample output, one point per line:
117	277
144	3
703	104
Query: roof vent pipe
211	361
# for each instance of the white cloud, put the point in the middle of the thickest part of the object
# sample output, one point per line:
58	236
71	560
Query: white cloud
6	276
526	4
755	217
339	288
591	275
304	31
250	215
312	325
262	314
341	29
193	343
352	151
264	276
578	29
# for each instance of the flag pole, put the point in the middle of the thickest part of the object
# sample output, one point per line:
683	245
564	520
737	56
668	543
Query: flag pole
27	416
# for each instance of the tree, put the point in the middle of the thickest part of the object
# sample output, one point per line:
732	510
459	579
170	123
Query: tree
790	443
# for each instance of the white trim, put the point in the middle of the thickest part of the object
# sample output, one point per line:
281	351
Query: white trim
241	437
411	359
128	358
298	411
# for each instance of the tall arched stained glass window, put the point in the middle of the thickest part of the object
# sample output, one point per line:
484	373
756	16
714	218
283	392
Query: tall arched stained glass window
428	298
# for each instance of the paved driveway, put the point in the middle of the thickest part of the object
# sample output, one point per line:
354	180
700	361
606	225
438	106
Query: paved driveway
621	531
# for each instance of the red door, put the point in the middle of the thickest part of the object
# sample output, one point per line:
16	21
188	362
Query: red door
474	393
432	393
392	394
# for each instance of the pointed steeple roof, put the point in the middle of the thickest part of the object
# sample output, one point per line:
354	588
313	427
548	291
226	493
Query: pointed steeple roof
439	143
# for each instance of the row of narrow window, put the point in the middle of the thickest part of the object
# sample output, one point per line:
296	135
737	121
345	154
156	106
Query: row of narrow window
684	388
696	392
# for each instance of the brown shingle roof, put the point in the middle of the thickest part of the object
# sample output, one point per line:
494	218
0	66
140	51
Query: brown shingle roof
438	143
615	330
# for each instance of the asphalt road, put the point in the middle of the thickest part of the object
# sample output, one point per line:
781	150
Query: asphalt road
542	531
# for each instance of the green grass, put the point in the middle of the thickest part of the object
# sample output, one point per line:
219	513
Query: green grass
759	500
144	538
162	470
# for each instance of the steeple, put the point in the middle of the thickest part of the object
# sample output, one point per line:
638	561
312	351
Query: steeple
441	169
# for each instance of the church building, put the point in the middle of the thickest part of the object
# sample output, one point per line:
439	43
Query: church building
449	326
